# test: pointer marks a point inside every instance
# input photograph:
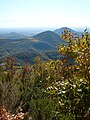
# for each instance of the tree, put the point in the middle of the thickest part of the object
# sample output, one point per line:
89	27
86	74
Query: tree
78	49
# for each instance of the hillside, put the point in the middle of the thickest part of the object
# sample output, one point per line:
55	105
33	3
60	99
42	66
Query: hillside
49	37
27	48
29	56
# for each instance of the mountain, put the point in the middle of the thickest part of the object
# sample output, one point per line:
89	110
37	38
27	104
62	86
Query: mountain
12	35
49	37
59	31
27	48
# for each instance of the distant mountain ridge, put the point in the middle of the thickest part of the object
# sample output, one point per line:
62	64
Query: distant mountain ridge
26	48
12	35
59	31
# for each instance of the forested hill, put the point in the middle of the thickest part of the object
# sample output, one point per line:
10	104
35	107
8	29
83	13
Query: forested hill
25	48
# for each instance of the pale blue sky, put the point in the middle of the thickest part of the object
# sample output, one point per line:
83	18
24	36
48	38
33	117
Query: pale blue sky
44	13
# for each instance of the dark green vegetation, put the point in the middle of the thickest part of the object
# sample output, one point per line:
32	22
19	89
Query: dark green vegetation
49	37
50	90
28	48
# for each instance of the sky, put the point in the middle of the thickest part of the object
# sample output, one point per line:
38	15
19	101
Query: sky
44	13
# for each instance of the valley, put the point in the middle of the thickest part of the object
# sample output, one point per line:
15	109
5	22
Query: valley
25	48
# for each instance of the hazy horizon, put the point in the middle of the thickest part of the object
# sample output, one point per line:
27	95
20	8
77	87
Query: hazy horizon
28	30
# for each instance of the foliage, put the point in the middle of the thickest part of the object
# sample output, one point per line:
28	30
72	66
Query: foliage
78	80
50	90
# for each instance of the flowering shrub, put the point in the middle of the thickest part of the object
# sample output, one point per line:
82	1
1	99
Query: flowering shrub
52	90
